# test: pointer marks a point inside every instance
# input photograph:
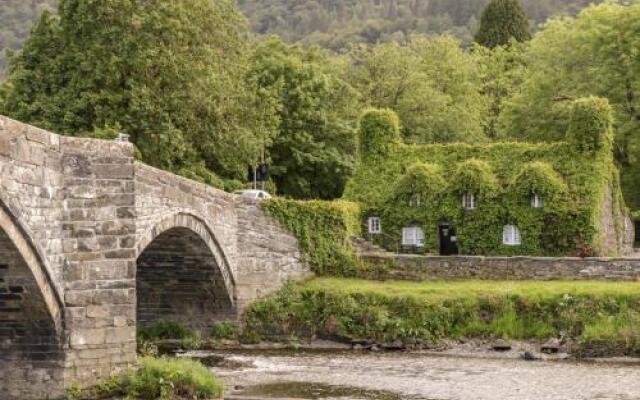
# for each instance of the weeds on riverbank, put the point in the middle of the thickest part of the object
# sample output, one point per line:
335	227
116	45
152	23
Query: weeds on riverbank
164	330
584	312
149	336
158	379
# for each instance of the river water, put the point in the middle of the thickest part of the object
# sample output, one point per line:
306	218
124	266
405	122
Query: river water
413	376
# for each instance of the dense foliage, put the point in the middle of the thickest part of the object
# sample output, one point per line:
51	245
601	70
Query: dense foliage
329	24
314	146
539	178
173	75
324	231
433	85
336	24
502	21
379	132
204	98
423	182
503	177
593	54
583	313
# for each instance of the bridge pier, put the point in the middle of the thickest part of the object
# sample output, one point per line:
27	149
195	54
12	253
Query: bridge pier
93	245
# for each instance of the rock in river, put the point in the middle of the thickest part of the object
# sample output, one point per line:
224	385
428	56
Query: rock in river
501	345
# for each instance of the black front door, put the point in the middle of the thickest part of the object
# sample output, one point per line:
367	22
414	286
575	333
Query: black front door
448	240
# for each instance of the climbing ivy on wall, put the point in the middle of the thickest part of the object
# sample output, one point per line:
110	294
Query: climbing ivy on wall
323	230
591	124
379	132
571	177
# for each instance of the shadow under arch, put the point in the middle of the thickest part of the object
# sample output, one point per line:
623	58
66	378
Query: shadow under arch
19	235
183	275
31	314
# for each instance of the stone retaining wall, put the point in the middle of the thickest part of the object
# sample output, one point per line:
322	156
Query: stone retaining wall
417	268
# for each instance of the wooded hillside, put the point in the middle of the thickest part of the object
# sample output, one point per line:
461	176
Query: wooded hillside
16	18
336	23
328	23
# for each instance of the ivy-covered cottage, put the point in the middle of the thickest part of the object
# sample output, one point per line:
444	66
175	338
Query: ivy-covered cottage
544	199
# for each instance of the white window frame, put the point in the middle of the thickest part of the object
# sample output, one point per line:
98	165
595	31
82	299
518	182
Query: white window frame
415	200
413	236
374	225
469	201
537	201
511	235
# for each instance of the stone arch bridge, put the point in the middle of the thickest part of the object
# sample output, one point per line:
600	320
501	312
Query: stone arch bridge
94	244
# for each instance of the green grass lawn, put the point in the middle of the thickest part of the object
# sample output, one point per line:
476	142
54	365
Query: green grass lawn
439	291
584	312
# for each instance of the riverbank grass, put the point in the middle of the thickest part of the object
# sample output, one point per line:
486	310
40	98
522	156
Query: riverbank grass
158	378
581	312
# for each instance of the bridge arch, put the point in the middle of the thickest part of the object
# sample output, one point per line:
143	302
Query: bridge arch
31	312
17	235
182	274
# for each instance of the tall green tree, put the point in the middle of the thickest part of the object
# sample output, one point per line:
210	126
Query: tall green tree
501	21
431	83
315	148
172	74
593	54
503	70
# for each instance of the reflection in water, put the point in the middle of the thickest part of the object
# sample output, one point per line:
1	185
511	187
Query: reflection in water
313	391
391	376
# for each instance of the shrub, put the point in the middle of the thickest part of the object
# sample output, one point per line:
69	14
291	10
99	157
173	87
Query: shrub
192	342
250	337
164	378
164	330
146	348
157	379
223	330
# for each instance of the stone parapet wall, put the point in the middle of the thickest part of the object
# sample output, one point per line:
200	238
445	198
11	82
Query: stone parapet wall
418	268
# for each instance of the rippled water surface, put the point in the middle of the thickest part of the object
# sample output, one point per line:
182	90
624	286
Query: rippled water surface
392	376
